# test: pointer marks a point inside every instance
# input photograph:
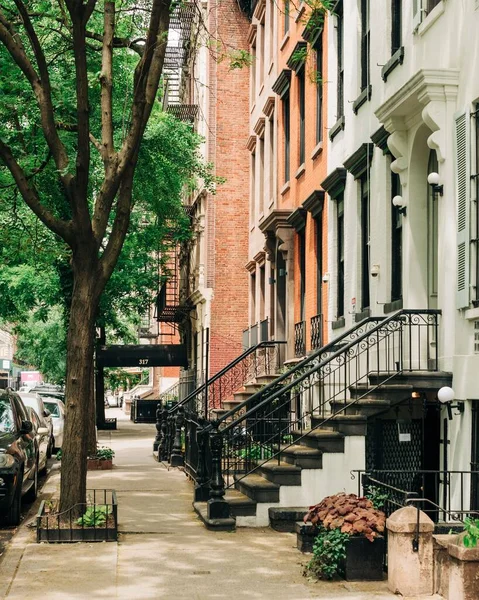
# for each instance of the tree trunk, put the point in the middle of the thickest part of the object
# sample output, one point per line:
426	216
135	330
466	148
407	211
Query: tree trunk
79	419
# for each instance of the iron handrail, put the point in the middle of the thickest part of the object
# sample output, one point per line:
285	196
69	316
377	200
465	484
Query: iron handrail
306	374
224	370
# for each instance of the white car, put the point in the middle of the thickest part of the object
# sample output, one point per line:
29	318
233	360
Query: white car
42	436
36	402
57	411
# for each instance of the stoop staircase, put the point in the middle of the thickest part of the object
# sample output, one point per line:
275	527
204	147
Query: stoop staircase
289	440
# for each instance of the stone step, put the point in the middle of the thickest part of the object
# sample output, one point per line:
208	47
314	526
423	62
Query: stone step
281	473
387	391
239	397
322	439
265	379
347	424
230	404
257	488
420	380
217	413
240	504
305	534
303	456
284	519
201	509
366	407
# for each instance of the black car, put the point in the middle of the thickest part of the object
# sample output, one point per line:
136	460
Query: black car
18	458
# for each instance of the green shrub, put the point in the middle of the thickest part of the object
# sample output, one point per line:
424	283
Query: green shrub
329	553
95	516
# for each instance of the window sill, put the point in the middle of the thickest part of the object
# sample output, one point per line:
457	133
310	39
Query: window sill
431	18
360	316
300	171
301	11
253	106
336	128
396	59
285	188
261	89
284	41
270	68
317	150
271	203
392	306
341	322
363	97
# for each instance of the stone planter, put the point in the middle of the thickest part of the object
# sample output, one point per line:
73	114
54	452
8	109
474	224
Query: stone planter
364	559
96	464
463	572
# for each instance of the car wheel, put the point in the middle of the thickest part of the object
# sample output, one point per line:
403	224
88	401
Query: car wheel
32	493
13	517
51	445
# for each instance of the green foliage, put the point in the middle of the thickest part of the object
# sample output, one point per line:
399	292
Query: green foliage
255	452
377	497
239	59
471	527
103	453
95	516
329	552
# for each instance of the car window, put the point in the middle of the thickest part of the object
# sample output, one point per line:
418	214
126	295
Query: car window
20	408
7	420
32	415
53	408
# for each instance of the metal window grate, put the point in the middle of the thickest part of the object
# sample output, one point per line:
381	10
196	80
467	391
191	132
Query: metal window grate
476	337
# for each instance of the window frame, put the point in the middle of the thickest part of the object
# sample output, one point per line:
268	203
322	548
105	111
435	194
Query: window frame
301	79
318	48
365	194
365	45
396	242
287	135
340	256
340	58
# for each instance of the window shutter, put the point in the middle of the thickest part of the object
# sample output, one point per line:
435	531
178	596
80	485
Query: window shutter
463	190
416	14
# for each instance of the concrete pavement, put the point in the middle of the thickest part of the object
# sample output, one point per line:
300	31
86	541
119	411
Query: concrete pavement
163	552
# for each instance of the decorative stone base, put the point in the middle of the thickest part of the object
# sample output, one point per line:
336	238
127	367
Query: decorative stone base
201	510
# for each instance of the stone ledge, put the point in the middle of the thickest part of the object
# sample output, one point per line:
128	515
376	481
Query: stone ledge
201	509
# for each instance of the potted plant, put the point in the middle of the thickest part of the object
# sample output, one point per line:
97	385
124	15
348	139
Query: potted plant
348	540
102	459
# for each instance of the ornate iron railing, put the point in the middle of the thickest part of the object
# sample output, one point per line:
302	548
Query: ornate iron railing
443	495
316	332
335	378
300	339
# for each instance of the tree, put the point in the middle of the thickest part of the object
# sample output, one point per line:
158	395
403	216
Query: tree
60	63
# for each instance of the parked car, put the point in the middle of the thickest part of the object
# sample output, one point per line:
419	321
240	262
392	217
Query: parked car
57	411
42	436
52	391
36	402
18	457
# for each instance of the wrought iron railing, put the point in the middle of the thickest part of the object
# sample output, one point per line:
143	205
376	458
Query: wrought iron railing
443	495
259	332
300	339
316	332
336	378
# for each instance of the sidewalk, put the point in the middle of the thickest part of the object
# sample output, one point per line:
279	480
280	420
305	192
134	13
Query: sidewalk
163	552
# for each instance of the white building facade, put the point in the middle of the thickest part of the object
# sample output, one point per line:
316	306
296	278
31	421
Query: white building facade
403	97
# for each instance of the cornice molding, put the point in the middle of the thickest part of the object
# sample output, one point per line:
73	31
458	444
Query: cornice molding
380	139
360	160
251	266
314	203
268	108
252	32
335	182
260	127
259	10
297	219
297	58
282	83
251	143
260	258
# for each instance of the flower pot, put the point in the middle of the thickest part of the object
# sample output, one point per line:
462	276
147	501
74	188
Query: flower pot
105	464
93	464
364	559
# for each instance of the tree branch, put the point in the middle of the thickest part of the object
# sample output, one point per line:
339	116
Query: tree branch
29	194
42	92
106	81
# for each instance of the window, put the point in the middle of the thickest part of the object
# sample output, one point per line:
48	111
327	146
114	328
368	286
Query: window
319	263
286	130
396	25
262	285
396	241
463	192
301	101
339	49
476	181
318	49
271	157
271	29
287	6
253	187
253	298
253	72
340	256
261	176
262	49
365	44
365	240
302	273
431	4
421	8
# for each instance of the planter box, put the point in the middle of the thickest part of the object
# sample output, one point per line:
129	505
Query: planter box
364	559
95	464
63	527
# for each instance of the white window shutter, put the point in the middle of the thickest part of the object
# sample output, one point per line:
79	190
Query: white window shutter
463	191
416	14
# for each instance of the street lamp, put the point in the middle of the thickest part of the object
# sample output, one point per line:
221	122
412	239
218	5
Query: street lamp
400	204
445	396
433	179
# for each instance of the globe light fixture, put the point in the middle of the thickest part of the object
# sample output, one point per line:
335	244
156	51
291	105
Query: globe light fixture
399	203
433	179
445	396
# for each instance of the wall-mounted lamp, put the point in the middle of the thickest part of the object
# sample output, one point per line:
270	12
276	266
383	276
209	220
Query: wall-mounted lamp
400	203
282	273
445	396
374	270
325	277
433	180
271	280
